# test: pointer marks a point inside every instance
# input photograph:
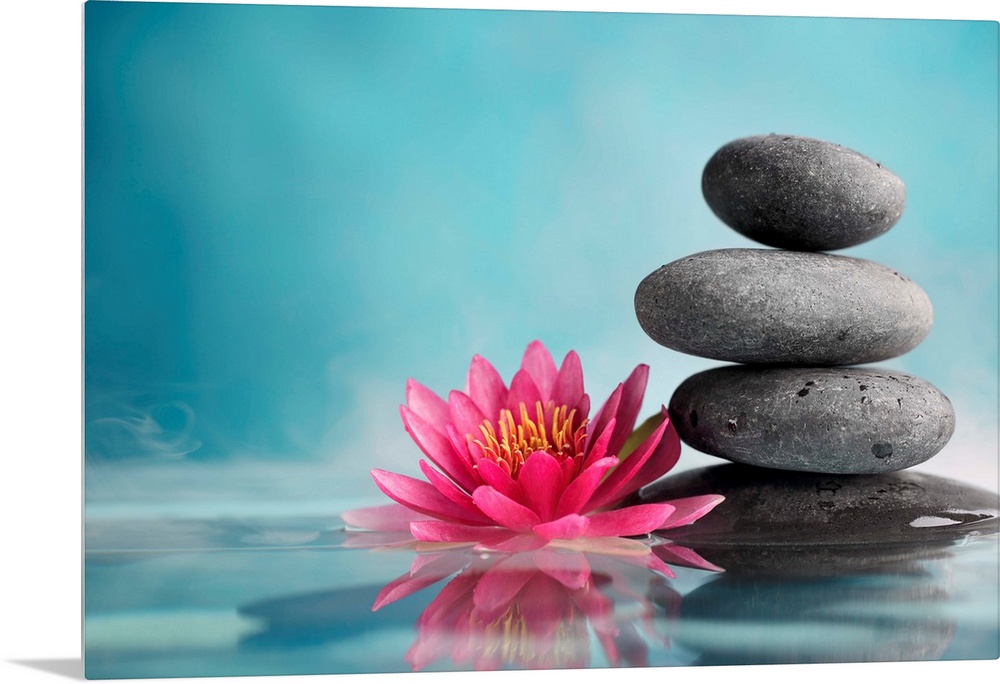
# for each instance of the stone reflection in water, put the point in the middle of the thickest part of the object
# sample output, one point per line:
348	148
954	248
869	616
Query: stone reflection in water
320	617
754	620
823	568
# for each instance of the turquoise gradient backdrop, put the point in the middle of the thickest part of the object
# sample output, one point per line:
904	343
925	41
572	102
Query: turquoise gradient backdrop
291	210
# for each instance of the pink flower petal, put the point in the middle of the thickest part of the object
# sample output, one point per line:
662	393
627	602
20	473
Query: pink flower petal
400	587
426	403
486	388
663	458
582	488
633	390
497	588
632	647
689	509
464	443
448	488
437	447
441	531
541	481
569	526
465	415
424	498
569	468
600	612
452	600
514	542
626	549
500	480
387	518
568	389
538	363
503	510
681	555
569	569
611	489
657	564
604	415
629	521
599	447
465	460
523	391
427	563
421	575
543	604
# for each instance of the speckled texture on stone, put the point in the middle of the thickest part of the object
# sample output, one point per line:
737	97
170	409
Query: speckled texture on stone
780	307
801	193
824	420
772	507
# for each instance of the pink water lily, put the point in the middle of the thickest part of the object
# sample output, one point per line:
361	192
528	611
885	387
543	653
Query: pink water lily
527	460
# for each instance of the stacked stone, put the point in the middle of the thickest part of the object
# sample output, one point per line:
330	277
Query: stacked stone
797	320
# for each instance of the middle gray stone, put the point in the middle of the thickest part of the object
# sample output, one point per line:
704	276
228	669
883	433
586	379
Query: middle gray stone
822	420
778	307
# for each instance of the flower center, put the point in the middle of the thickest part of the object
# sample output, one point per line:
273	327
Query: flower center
514	436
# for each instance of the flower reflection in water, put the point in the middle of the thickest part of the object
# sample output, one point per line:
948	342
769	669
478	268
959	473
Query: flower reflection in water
537	608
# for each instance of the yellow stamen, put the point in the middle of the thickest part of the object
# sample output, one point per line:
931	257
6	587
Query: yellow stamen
520	435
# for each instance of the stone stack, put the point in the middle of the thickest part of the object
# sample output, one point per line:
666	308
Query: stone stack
796	321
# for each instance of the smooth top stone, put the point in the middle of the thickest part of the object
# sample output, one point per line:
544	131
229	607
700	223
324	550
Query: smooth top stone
770	507
778	307
821	420
801	193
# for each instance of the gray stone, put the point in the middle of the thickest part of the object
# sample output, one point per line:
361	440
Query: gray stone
801	193
823	420
772	508
778	307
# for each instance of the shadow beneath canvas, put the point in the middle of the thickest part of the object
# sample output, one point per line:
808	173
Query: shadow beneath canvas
71	668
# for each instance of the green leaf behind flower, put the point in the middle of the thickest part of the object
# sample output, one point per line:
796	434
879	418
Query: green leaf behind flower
644	430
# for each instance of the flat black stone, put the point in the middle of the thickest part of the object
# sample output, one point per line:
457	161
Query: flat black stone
801	193
822	420
772	306
767	507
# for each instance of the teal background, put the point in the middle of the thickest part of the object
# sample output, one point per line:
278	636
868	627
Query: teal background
291	210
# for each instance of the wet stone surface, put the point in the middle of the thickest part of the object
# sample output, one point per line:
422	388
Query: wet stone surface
772	508
778	307
801	193
826	420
